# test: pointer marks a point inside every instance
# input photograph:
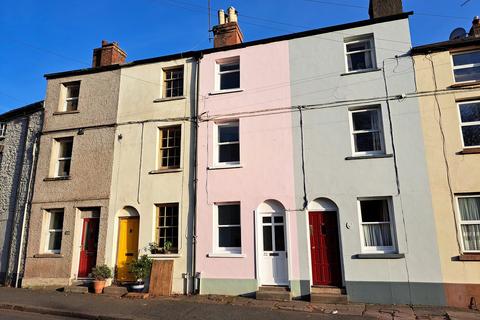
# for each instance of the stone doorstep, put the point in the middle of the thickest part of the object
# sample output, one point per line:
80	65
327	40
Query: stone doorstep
273	293
327	290
115	291
75	289
273	289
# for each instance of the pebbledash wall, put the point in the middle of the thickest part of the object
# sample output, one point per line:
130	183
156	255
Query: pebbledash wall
93	132
453	170
138	183
17	157
333	175
264	174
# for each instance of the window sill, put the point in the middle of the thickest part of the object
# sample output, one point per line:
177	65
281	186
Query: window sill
379	256
360	72
161	171
464	84
57	178
59	113
48	255
226	255
164	256
469	151
233	166
169	99
214	93
469	257
373	156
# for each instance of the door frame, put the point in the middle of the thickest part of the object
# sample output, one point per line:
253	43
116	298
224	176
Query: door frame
319	205
259	249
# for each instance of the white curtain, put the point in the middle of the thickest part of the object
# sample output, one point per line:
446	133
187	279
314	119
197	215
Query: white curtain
377	235
469	208
470	211
471	237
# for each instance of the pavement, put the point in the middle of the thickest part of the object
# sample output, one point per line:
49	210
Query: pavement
50	304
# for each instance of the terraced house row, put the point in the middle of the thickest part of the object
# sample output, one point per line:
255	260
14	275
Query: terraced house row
332	164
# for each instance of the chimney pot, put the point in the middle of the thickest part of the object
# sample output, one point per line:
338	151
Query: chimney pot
221	16
232	15
475	30
384	8
108	54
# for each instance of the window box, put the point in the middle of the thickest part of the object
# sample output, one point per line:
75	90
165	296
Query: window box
227	229
367	132
360	54
468	211
228	74
377	230
466	67
227	144
469	114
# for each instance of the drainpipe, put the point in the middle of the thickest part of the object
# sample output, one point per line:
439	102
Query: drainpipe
27	205
195	161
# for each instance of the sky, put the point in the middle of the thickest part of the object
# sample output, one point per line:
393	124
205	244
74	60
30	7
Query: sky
40	37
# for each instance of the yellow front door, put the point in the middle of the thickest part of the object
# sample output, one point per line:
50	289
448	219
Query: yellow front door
127	247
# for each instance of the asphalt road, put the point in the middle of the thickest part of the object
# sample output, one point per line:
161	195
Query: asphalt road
17	315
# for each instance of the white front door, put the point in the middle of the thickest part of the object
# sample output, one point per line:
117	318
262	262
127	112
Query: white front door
272	249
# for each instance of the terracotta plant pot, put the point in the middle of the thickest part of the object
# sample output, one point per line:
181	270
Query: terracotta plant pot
98	286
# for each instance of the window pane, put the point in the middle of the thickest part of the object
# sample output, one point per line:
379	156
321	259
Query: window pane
471	236
467	74
56	220
368	142
170	147
359	61
65	148
72	105
230	80
168	226
228	133
173	84
466	58
469	208
63	168
267	220
470	112
73	91
55	241
471	135
358	46
229	153
229	214
377	235
267	238
374	210
229	67
278	219
229	237
365	120
279	238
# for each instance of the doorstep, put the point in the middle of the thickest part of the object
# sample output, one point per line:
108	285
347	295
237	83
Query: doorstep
328	295
273	293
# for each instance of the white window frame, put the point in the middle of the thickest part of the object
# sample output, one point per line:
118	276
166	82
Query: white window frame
380	131
460	221
464	66
218	73
48	231
67	98
3	129
216	230
216	149
366	38
58	159
378	249
466	124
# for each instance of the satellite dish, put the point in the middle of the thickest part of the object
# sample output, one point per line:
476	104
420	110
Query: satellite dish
458	33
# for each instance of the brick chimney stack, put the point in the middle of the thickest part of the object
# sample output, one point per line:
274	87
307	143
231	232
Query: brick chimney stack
109	53
227	32
475	30
384	8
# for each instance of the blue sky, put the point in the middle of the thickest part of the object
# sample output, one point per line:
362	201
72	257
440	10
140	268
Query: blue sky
48	36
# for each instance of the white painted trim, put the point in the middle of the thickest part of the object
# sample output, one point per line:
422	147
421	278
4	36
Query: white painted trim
459	221
77	242
467	124
378	109
225	250
462	66
216	162
356	39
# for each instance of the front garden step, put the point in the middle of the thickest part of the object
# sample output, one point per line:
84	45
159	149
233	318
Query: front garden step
273	293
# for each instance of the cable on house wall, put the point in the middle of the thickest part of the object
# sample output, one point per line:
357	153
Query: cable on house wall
444	150
140	165
302	146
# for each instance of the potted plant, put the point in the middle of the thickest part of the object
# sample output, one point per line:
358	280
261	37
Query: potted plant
100	274
167	247
141	269
154	248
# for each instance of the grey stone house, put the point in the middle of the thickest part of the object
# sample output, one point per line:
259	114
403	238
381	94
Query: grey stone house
19	132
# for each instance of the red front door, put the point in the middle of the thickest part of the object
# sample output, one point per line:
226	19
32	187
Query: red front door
88	251
325	250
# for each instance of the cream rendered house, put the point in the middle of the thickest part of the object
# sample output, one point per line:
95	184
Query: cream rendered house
448	80
151	198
